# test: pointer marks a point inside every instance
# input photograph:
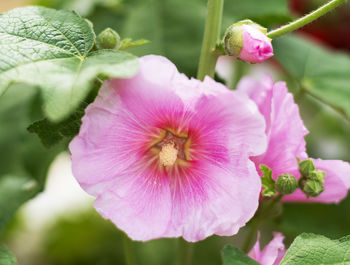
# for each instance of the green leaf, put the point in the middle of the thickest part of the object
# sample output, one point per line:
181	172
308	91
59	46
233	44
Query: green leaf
51	133
6	258
14	191
51	49
234	256
24	162
267	181
314	249
321	73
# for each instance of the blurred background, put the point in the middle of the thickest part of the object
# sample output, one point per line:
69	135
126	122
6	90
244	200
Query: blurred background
59	225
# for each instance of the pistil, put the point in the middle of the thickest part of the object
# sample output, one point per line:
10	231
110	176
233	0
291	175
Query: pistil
168	154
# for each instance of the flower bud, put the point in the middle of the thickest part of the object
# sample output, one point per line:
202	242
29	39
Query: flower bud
286	184
312	187
318	175
306	167
108	39
248	41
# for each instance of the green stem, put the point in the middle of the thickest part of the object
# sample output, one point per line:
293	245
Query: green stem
129	257
208	57
239	70
305	19
185	252
265	211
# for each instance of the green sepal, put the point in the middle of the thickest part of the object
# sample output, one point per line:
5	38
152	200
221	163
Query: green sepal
129	43
267	181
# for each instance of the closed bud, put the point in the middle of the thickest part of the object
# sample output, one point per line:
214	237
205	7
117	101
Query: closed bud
312	187
248	41
306	167
286	184
318	175
108	39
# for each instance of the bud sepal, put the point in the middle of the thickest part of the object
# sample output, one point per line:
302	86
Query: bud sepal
267	182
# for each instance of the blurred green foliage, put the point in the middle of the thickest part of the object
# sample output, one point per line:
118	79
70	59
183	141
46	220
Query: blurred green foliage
321	73
23	159
85	238
6	258
174	27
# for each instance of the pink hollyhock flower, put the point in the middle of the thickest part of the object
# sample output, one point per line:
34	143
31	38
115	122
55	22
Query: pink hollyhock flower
285	131
166	156
273	252
257	46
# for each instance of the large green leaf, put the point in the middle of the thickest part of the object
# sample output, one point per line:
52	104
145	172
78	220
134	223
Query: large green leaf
23	160
321	72
234	256
314	249
6	258
52	49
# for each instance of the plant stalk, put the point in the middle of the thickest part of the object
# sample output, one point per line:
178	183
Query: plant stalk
265	211
208	57
305	19
185	252
128	252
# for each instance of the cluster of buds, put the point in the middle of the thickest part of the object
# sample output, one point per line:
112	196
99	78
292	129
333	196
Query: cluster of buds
312	179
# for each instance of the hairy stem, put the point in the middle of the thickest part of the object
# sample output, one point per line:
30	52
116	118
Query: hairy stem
305	19
265	211
208	57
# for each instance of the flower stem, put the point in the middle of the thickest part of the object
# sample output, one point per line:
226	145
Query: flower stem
208	57
265	211
129	257
185	252
305	19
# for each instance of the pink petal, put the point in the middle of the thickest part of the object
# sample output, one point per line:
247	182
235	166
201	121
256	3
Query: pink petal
273	252
257	46
285	142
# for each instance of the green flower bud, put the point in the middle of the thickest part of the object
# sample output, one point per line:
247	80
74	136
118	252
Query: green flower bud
233	39
318	175
312	187
286	184
306	167
108	39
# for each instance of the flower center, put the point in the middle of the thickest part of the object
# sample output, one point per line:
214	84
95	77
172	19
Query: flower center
168	154
172	148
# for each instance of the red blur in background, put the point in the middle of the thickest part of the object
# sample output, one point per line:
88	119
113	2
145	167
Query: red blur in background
332	29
